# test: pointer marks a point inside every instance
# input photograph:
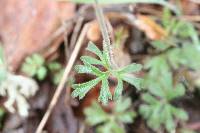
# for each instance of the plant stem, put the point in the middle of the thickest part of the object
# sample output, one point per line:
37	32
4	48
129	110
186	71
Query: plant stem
104	31
103	27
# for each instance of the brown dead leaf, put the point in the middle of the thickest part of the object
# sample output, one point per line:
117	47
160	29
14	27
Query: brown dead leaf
26	25
94	33
152	30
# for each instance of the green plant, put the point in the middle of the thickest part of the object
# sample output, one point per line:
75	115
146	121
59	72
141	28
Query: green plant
179	32
105	59
34	65
56	70
179	49
158	109
110	122
121	75
161	88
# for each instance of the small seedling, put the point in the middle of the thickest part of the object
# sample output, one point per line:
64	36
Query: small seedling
56	69
121	75
35	66
179	49
105	60
110	122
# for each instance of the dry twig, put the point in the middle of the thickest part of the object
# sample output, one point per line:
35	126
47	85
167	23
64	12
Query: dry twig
63	80
76	31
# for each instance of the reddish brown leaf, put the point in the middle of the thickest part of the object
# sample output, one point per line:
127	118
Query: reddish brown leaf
150	27
26	25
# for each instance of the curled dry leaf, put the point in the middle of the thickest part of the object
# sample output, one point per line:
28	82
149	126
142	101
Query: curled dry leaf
26	25
152	30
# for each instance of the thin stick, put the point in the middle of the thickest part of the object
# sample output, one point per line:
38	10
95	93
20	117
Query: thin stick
103	27
77	28
64	28
104	31
66	33
63	80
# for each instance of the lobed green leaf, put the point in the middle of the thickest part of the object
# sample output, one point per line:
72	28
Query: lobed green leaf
126	117
178	91
149	98
41	73
154	120
122	105
169	123
110	122
105	93
54	66
179	113
82	69
94	49
145	111
88	68
95	114
118	89
130	68
91	60
133	81
37	59
80	90
29	69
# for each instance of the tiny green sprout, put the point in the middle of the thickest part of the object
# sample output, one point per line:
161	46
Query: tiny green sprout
35	66
110	122
121	74
56	70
